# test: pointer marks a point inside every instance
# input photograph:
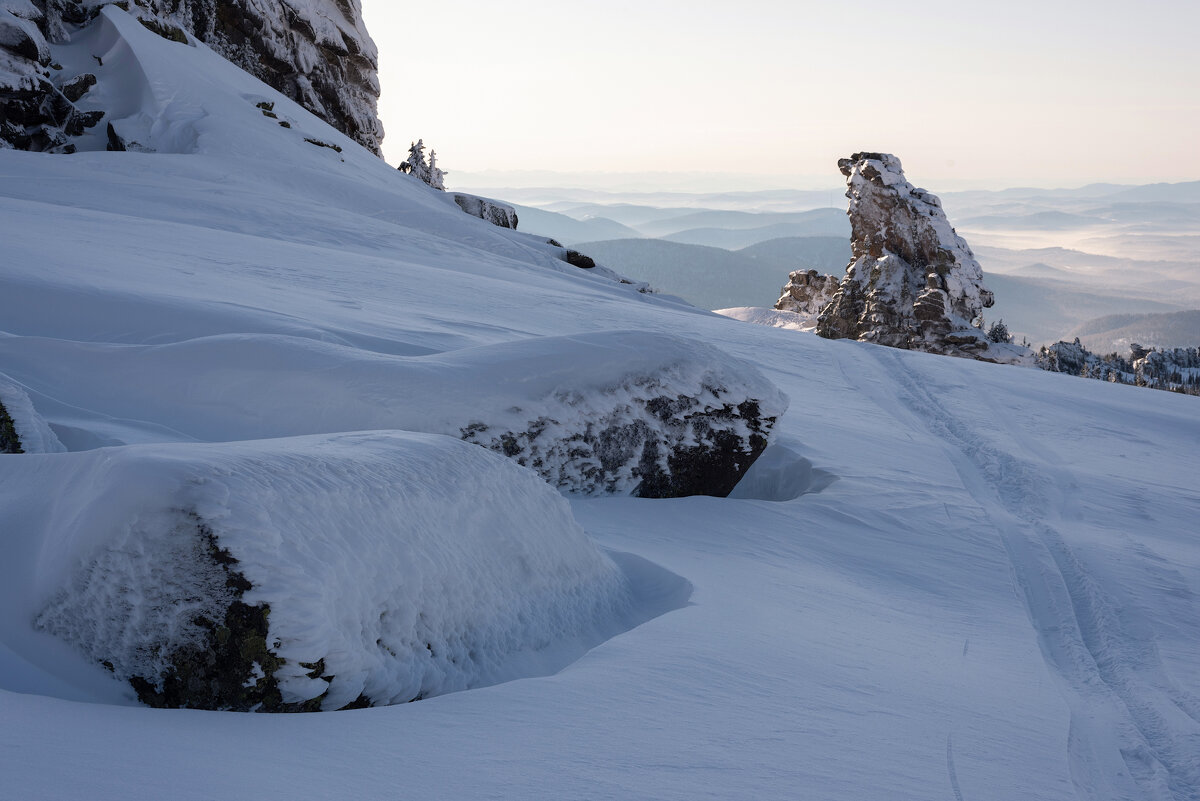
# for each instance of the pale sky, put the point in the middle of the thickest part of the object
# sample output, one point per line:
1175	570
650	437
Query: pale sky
772	93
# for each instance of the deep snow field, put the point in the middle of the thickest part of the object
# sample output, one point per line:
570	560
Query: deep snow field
946	579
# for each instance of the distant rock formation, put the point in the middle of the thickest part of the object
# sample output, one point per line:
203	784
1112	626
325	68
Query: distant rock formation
316	52
1173	369
912	282
493	211
807	292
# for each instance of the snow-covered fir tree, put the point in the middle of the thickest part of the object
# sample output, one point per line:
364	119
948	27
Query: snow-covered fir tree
436	175
416	164
426	171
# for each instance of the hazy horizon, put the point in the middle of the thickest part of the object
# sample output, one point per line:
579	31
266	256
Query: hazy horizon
1041	94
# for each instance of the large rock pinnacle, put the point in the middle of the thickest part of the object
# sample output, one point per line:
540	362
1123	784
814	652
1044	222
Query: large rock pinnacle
912	282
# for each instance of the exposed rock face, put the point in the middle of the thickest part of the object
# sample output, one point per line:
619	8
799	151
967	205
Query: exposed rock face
317	52
658	446
912	281
807	292
1174	369
34	113
493	211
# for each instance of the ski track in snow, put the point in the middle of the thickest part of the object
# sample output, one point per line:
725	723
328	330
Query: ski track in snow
958	796
1124	706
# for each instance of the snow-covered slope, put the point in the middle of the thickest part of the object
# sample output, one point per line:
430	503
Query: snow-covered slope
949	579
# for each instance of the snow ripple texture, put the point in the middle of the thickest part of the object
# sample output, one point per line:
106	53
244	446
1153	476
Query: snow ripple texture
409	565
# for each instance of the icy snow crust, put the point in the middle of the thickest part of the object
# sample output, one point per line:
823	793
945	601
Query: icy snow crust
998	597
408	565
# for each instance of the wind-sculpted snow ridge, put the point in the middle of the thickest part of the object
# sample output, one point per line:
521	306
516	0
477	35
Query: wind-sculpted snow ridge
316	572
316	52
624	412
22	429
912	281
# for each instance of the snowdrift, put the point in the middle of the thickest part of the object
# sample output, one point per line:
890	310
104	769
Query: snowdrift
610	412
307	573
29	432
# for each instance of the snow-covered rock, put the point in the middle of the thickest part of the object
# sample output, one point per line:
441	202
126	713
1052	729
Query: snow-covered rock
314	572
624	412
316	52
1175	369
807	292
493	211
912	281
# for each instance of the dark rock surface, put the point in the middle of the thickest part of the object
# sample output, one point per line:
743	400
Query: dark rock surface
9	441
657	446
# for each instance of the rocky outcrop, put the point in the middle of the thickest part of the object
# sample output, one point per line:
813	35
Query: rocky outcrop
34	113
807	292
317	52
492	211
1174	369
912	281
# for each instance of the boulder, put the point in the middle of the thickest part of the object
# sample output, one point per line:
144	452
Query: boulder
613	412
493	211
312	573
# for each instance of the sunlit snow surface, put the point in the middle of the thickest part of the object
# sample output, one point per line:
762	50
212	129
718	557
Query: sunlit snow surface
993	594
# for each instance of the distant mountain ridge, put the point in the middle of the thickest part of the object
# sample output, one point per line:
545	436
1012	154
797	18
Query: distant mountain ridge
1116	332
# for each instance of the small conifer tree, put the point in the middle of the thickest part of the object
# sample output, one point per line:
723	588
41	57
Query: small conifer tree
998	333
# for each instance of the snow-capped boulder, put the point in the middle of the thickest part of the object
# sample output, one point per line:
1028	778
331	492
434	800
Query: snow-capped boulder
807	292
311	573
912	281
492	211
317	52
625	412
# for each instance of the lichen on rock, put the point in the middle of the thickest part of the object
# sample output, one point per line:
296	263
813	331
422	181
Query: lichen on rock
912	281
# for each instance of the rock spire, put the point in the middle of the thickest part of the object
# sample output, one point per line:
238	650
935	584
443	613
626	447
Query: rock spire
912	282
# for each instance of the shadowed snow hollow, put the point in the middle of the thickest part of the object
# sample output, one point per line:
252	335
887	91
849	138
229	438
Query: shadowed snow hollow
312	572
